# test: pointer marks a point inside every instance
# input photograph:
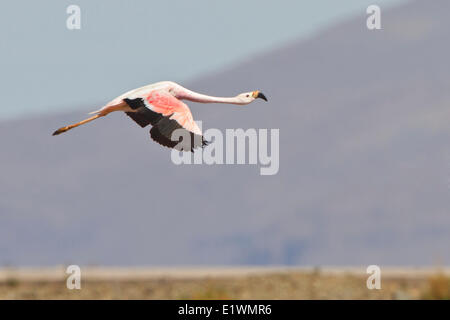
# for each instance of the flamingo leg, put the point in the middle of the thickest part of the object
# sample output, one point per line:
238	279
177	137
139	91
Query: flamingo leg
67	128
122	106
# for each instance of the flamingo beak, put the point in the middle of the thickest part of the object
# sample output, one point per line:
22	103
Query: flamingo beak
257	94
262	96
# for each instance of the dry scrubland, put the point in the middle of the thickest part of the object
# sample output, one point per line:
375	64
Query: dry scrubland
224	283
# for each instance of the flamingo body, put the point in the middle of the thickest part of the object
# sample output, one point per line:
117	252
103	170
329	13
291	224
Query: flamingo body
160	105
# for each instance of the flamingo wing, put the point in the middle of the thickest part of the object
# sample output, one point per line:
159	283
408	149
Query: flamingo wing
142	115
167	114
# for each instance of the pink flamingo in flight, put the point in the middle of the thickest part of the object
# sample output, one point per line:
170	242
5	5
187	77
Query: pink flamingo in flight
160	105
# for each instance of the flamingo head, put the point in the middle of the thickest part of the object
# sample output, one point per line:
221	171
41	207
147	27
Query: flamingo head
248	97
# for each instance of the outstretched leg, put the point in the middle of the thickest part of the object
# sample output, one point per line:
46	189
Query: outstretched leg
122	106
67	128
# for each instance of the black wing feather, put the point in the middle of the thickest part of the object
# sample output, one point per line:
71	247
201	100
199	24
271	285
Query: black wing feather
162	133
143	116
163	127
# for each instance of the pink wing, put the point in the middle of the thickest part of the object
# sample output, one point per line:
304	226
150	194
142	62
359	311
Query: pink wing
167	114
164	103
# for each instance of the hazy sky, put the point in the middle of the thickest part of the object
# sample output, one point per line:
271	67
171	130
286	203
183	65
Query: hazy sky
125	44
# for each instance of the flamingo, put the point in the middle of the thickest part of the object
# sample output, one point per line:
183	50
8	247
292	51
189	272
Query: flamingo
159	104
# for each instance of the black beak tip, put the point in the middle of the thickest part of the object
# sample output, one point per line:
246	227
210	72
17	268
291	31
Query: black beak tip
262	96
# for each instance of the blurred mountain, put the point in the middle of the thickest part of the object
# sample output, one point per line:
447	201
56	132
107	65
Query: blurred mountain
364	164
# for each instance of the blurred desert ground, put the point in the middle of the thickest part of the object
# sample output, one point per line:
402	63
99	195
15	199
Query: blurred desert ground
225	283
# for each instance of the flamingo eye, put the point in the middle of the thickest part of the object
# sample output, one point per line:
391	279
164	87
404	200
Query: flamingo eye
247	96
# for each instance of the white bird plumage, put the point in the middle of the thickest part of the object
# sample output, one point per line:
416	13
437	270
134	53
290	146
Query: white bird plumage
159	104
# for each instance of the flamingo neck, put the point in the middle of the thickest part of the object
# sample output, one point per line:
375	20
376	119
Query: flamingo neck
203	98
